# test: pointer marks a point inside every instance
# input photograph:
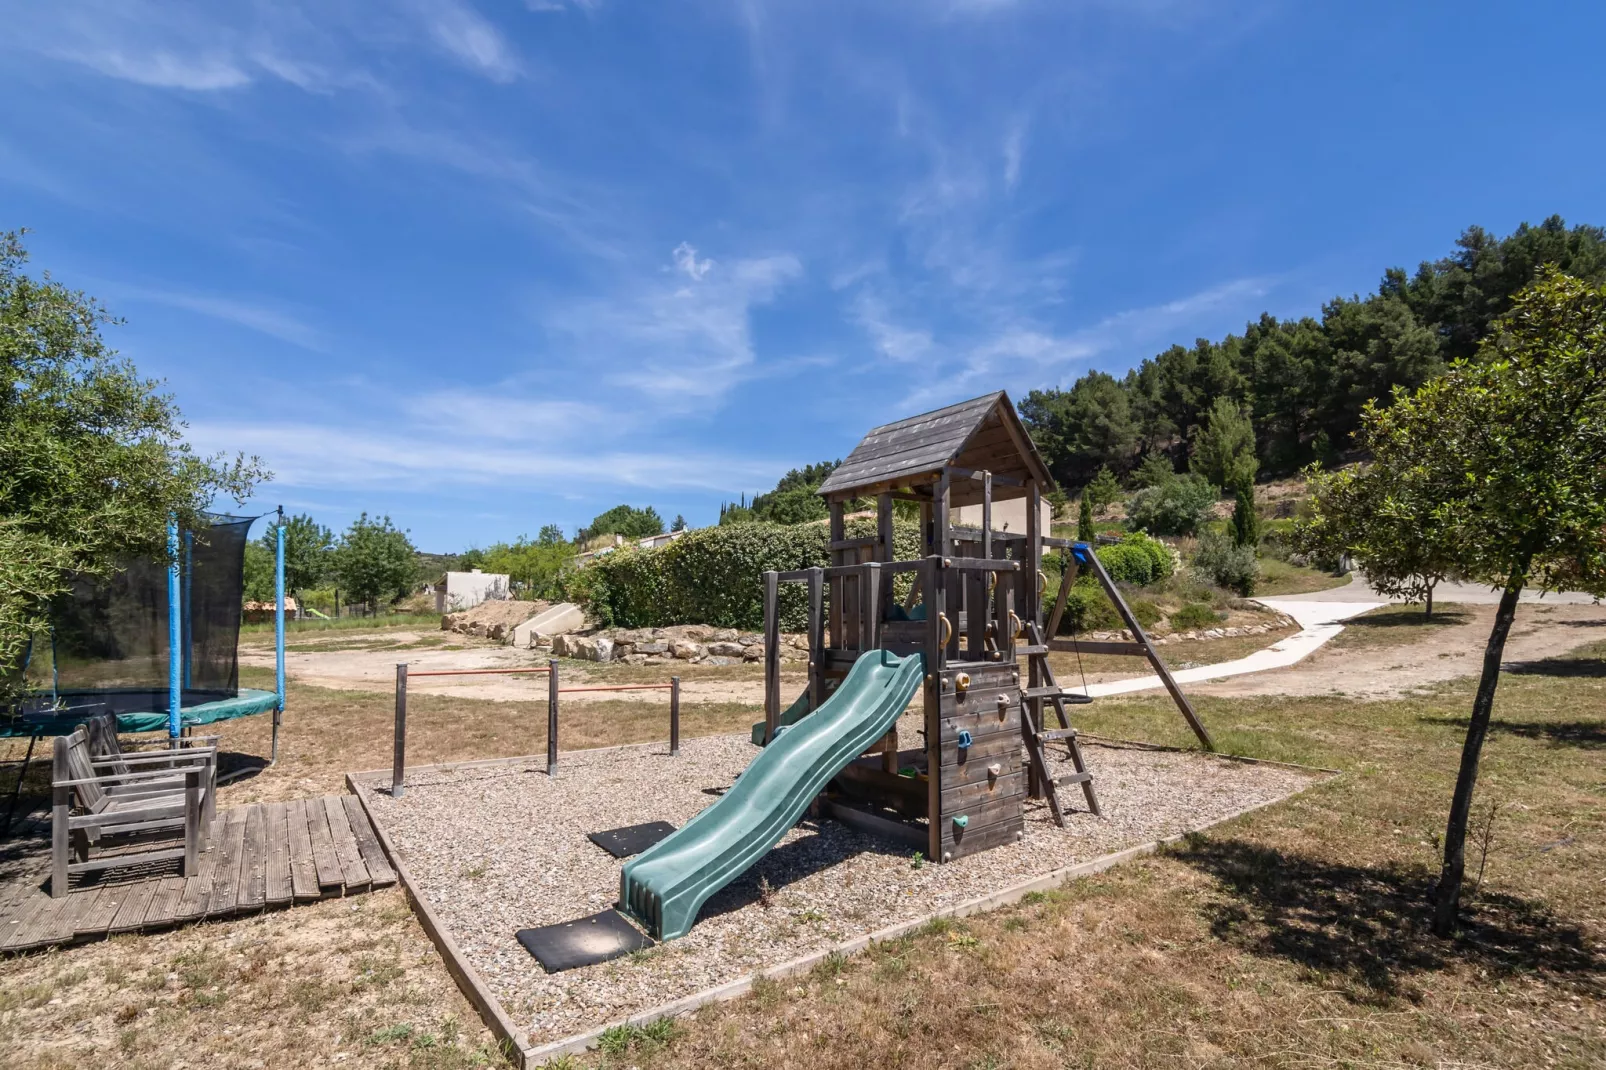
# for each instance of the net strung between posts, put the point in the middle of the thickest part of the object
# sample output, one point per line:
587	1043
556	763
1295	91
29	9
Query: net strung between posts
109	640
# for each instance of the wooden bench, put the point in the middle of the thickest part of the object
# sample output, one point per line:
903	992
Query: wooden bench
167	794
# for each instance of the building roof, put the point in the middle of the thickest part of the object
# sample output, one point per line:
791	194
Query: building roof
983	434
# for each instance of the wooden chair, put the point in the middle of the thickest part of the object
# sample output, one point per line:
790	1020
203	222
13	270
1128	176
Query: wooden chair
168	793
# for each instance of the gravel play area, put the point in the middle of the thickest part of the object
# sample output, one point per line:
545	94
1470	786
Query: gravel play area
500	848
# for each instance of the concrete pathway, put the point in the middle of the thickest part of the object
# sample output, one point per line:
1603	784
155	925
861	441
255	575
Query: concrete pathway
1318	622
1358	590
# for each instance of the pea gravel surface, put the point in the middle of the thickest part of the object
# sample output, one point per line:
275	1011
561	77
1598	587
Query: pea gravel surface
501	848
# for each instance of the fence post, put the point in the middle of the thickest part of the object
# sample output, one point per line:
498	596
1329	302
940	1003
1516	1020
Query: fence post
552	718
674	716
398	762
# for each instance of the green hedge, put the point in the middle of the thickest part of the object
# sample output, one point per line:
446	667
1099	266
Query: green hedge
715	575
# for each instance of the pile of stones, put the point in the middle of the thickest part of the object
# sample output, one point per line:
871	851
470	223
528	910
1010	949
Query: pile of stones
695	643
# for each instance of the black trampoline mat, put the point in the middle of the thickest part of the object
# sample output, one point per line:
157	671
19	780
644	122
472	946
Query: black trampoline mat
583	942
632	839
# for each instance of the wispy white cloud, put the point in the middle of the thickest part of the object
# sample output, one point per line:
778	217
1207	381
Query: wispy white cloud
466	34
684	339
892	340
164	70
262	317
1014	148
319	457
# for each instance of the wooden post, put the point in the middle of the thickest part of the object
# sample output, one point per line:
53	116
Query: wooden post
933	579
772	654
1032	563
838	530
816	638
871	603
60	811
674	716
192	820
939	511
927	536
987	515
398	759
552	718
888	551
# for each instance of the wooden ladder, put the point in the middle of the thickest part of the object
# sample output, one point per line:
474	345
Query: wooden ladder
1042	686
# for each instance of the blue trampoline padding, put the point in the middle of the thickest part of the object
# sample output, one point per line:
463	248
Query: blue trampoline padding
248	702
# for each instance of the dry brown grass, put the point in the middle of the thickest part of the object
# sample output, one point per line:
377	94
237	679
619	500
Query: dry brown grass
1399	625
1295	937
350	982
1068	668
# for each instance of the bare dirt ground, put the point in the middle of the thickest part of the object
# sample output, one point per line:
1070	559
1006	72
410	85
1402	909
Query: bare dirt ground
1411	659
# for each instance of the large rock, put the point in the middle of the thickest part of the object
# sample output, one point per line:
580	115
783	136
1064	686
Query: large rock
726	649
553	620
656	646
589	647
685	649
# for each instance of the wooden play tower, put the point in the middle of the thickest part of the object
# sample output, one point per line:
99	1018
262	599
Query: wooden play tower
975	607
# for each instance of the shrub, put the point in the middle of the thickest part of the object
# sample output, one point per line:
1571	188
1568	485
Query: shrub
1165	563
1226	565
1177	506
1147	613
1194	615
714	575
1087	609
1127	563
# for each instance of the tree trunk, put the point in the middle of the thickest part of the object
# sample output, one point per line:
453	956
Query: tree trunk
1448	897
1429	611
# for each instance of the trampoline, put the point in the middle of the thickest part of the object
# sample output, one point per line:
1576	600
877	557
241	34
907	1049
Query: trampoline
112	643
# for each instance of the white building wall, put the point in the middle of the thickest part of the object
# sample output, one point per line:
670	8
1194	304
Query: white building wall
465	590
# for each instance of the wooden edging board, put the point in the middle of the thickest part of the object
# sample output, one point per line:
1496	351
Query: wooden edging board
523	1054
514	1044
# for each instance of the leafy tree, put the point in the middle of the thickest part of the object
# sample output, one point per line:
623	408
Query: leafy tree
1507	456
1104	489
93	461
1245	517
624	520
307	546
258	575
1224	452
1179	506
552	535
469	560
794	505
1084	519
375	561
679	524
537	567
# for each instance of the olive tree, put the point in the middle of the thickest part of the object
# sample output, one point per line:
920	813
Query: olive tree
1495	471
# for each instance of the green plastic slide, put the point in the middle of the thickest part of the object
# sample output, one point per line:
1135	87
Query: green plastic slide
665	886
789	717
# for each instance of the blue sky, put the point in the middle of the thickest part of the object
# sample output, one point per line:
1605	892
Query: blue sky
484	266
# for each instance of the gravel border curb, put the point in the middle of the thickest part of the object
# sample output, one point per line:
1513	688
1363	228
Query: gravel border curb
521	1053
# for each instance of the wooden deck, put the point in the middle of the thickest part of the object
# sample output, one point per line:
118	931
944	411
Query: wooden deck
260	857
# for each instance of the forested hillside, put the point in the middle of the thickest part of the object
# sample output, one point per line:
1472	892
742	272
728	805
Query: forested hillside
1303	381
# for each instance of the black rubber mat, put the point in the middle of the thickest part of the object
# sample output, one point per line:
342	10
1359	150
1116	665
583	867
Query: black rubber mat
632	839
583	941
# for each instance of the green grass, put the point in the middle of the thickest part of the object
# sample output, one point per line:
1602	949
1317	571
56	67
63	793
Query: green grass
1280	577
1398	625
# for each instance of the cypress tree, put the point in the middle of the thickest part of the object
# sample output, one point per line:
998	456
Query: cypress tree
1084	519
1245	519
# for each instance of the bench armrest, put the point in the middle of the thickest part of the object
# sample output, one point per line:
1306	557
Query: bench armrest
128	778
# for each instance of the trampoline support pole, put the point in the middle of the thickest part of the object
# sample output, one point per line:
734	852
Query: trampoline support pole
175	633
187	621
278	633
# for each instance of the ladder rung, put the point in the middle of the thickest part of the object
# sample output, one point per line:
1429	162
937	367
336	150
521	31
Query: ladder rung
1054	735
1030	651
1072	778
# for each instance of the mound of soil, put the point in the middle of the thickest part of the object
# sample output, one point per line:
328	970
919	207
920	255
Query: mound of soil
494	620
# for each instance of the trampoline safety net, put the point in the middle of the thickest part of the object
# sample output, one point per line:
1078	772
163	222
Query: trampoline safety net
110	637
